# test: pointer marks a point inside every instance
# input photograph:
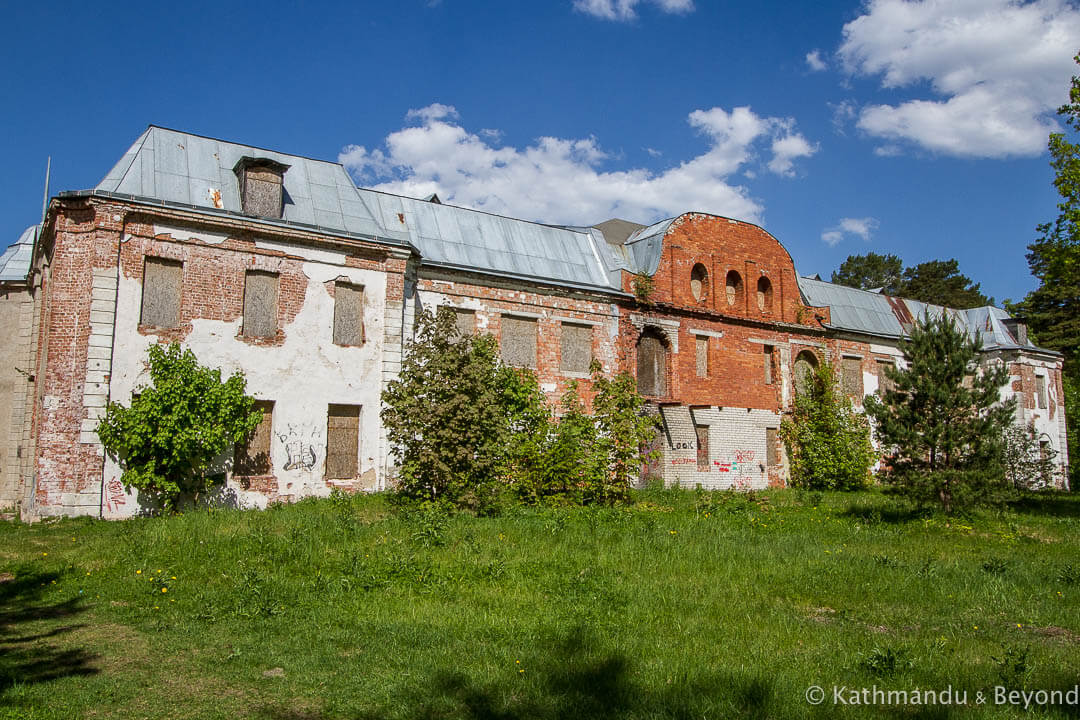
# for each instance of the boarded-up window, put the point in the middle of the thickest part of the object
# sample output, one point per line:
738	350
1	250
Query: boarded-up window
260	303
699	282
1044	450
764	295
805	363
1040	391
576	344
852	376
651	364
702	447
342	441
253	457
518	341
348	314
733	287
772	456
161	292
885	383
261	186
768	354
464	322
701	350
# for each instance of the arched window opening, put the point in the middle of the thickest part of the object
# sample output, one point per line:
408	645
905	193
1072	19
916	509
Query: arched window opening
699	283
734	287
764	295
652	364
805	364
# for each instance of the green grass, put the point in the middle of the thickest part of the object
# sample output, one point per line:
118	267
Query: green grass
686	605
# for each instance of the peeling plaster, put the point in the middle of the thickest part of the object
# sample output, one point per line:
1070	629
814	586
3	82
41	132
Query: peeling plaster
302	376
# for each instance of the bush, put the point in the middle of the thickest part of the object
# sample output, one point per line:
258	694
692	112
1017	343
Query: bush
445	416
467	428
828	443
177	426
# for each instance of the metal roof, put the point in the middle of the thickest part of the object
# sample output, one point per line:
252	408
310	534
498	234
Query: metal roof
873	313
185	169
470	239
643	248
15	261
178	167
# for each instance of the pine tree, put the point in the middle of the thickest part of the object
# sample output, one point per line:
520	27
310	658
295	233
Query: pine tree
942	423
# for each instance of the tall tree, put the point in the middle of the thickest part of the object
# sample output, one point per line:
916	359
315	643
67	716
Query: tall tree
870	272
939	282
943	420
1052	310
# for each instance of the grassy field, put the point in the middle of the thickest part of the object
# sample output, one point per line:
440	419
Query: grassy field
687	605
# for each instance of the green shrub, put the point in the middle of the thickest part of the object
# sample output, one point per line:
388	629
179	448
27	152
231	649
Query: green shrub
177	426
828	443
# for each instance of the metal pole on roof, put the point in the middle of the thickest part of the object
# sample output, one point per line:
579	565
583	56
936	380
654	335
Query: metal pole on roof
45	200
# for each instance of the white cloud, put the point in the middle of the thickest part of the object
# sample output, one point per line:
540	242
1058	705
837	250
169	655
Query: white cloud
786	150
653	152
625	10
567	180
997	68
843	113
832	238
815	62
862	228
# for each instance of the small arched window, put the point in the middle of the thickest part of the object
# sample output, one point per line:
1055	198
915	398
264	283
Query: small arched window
734	288
699	283
805	364
764	294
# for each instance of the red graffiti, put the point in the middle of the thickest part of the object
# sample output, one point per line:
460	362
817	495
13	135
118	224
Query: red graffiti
683	461
115	496
744	456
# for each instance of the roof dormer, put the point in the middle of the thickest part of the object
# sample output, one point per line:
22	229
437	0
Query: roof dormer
261	186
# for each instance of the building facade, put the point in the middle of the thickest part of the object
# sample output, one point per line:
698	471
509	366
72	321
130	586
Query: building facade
279	266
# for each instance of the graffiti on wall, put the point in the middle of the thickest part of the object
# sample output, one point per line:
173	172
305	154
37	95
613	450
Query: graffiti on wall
300	444
741	463
114	495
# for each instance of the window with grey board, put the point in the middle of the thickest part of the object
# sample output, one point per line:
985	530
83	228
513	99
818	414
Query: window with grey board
162	281
348	314
852	376
576	344
1040	391
252	457
651	364
262	186
518	341
464	322
771	455
701	355
260	303
342	441
768	364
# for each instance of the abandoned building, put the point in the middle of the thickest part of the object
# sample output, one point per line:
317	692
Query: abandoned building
280	266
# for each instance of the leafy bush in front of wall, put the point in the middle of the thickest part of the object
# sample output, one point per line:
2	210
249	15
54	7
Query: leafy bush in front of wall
177	426
828	443
465	428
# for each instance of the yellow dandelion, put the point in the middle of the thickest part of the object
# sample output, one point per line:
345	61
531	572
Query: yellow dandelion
44	554
976	627
138	572
173	577
164	589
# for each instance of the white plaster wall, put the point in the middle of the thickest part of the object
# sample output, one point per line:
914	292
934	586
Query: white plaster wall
1046	428
737	452
302	376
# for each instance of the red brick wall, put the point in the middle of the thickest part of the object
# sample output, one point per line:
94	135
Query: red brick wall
551	307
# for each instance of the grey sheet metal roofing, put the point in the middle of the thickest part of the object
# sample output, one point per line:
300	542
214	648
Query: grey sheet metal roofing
185	169
872	313
15	260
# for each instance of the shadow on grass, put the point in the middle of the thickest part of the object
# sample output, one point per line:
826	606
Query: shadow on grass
26	655
884	511
1050	503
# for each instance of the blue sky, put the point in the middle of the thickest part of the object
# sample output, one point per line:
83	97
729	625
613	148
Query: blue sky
914	128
